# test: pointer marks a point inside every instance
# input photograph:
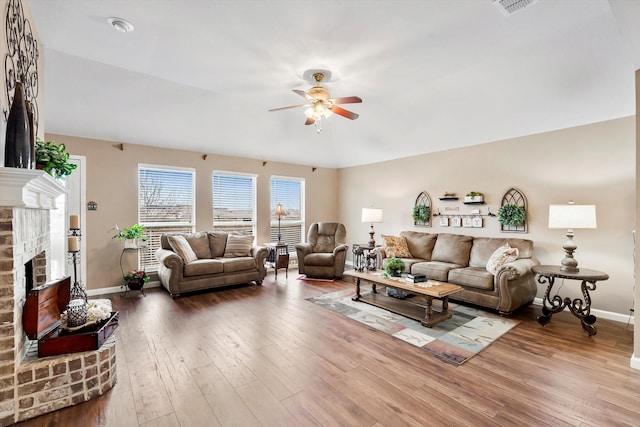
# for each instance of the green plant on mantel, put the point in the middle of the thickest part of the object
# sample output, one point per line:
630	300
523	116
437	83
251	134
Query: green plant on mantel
511	215
53	158
421	213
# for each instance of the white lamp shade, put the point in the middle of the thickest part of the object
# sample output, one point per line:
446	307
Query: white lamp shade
572	216
371	215
280	210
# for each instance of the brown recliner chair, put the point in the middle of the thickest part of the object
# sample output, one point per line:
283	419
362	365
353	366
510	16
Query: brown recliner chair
325	252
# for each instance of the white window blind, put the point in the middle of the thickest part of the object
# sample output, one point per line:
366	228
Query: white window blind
234	202
165	204
290	193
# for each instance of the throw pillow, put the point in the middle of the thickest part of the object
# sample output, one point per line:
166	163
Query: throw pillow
501	256
180	246
238	245
395	246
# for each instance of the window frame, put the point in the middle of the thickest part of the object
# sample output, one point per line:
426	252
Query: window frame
254	199
273	220
187	226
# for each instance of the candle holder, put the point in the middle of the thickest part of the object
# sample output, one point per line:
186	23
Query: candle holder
77	290
76	313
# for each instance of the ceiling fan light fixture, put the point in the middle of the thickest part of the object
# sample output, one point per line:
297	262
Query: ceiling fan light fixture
121	24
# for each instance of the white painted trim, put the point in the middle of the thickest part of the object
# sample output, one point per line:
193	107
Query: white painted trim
635	362
116	289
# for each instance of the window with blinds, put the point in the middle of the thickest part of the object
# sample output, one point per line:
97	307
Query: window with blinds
166	203
234	202
290	193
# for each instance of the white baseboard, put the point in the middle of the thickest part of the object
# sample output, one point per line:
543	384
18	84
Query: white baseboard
635	361
609	315
116	289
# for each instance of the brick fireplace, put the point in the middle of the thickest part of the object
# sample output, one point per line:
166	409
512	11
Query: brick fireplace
32	386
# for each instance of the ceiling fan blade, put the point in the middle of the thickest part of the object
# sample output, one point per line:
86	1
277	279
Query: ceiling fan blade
304	94
347	100
309	121
344	113
286	108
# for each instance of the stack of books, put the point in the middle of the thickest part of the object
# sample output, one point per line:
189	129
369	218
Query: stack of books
416	278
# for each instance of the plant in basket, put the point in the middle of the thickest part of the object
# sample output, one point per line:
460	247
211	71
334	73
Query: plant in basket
135	279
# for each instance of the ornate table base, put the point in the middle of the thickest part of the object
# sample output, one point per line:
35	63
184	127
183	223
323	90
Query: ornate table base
581	308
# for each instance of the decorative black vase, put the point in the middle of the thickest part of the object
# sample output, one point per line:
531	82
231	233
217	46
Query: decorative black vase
32	136
17	144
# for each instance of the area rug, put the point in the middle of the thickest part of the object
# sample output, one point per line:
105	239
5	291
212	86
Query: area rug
311	279
454	340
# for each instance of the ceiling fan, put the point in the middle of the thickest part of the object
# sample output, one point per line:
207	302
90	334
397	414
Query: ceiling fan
319	103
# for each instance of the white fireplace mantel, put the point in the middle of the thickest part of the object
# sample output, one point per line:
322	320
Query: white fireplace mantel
29	188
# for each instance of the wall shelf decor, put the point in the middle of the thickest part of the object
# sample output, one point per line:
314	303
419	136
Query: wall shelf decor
421	212
449	197
514	197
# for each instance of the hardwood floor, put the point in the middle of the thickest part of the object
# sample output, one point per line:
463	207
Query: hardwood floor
263	356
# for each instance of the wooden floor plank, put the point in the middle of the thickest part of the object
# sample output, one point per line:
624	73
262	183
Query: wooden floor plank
264	355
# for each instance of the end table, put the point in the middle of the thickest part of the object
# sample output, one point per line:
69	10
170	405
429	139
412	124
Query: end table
278	257
580	308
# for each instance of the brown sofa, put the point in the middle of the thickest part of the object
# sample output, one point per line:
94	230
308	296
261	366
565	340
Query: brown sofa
213	267
462	260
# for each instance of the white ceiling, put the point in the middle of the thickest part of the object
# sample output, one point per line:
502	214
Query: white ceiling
201	75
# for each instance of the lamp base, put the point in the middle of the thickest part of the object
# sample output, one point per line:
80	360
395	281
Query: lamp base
569	263
372	242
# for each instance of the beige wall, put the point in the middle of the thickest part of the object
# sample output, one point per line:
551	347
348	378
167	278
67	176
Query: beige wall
592	164
112	183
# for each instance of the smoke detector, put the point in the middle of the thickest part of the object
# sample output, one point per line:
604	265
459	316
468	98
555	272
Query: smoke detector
509	7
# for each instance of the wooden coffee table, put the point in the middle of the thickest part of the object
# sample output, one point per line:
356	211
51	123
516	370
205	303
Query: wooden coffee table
423	313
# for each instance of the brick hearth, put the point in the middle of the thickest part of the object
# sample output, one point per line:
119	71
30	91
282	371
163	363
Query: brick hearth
32	386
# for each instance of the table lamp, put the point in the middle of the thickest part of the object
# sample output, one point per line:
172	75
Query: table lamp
371	215
280	212
571	216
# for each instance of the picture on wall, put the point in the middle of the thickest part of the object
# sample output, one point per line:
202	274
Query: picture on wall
444	221
466	222
476	221
456	221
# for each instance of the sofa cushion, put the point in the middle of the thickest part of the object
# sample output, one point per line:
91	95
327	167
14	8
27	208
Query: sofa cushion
202	267
395	246
231	265
434	270
217	243
199	242
472	277
452	248
420	244
180	246
238	245
501	256
320	259
482	249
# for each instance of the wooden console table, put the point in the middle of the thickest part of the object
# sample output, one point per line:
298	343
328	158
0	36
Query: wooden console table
581	308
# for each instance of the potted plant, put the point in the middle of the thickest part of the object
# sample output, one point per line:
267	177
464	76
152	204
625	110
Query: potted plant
53	158
511	215
474	197
421	214
395	267
135	279
132	236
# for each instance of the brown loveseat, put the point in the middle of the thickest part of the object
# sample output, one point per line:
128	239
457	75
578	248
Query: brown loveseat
217	263
462	260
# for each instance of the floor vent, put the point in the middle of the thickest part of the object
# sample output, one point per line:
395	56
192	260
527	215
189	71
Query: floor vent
509	7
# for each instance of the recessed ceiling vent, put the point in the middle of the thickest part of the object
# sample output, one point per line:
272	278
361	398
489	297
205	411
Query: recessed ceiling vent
509	7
